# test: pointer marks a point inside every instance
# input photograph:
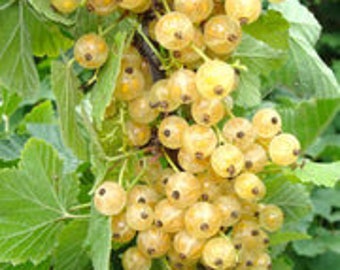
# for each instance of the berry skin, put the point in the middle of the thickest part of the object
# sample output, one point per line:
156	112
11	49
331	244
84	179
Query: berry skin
183	189
267	123
196	10
199	141
133	259
245	11
249	187
160	97
91	51
182	86
207	112
230	208
168	217
219	253
65	6
191	164
203	220
255	158
110	198
131	4
271	217
121	232
227	160
139	216
153	243
188	55
171	130
222	34
188	247
142	194
142	7
101	7
130	84
284	149
210	189
174	31
140	111
138	134
239	131
215	79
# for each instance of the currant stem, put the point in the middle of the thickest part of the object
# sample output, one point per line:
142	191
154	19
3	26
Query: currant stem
166	6
220	137
238	66
80	206
200	53
121	173
125	155
168	159
137	178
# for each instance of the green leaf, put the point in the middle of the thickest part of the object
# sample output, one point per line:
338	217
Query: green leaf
18	72
258	56
47	40
34	201
247	94
303	24
44	8
10	102
323	241
308	119
326	148
292	198
99	240
320	174
70	253
328	260
282	263
11	147
326	203
51	134
41	114
27	266
65	87
106	84
271	28
282	237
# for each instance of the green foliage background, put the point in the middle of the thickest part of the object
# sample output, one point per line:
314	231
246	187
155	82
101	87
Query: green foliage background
54	136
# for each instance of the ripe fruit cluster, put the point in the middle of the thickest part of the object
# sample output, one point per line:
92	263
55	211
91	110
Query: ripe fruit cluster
205	206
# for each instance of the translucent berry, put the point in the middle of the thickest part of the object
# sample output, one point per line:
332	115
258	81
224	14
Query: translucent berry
138	134
188	55
121	232
249	187
239	131
174	31
101	7
130	84
183	189
199	141
133	259
210	189
267	123
65	6
188	247
284	149
140	111
162	180
91	51
196	10
207	112
160	97
245	11
182	86
168	217
230	208
222	34
110	198
219	253
215	79
271	217
143	194
171	130
227	160
142	7
203	220
131	58
139	216
131	4
153	243
190	163
255	158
